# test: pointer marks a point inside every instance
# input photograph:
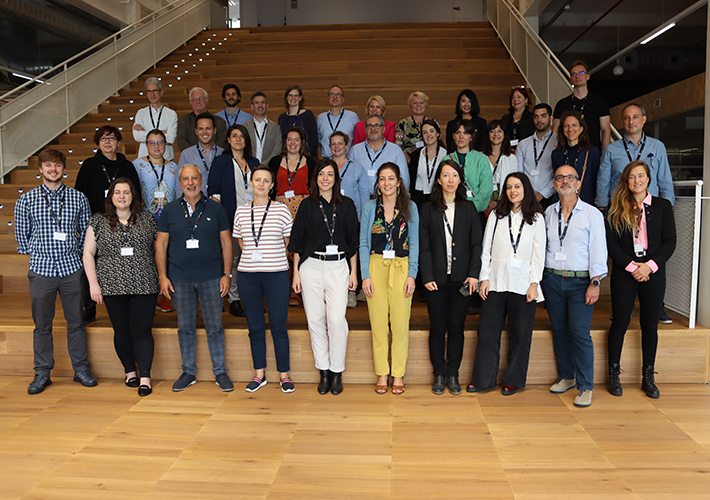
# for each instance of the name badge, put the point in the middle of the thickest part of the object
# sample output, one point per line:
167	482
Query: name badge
249	196
371	172
420	144
126	251
388	254
257	256
105	193
59	236
535	172
331	249
513	143
469	194
289	194
159	194
192	243
342	192
516	263
560	256
638	248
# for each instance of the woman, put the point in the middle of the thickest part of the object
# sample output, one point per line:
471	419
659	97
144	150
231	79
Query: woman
263	228
424	162
119	260
501	159
298	116
324	240
467	108
641	237
450	256
158	177
375	106
389	259
512	261
518	123
575	150
408	134
352	175
228	183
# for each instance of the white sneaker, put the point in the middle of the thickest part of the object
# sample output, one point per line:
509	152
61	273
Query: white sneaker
584	398
563	385
352	299
361	297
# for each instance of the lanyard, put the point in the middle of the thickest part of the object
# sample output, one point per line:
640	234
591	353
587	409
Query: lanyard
257	237
331	228
236	117
187	217
372	162
433	164
574	163
150	111
260	138
56	218
342	112
626	147
125	231
535	156
418	126
108	178
495	167
560	233
581	109
162	172
448	226
515	243
345	169
389	226
204	162
288	172
245	172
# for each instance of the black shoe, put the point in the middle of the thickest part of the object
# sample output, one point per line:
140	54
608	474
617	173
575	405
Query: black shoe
183	382
439	385
336	383
38	384
132	382
454	386
236	309
324	384
89	314
86	378
473	388
144	390
508	390
224	382
474	309
649	383
664	318
614	382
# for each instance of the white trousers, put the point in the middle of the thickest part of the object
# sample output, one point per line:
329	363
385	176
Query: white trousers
325	300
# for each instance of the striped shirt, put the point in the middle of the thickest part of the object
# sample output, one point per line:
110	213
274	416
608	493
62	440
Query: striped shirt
41	218
272	249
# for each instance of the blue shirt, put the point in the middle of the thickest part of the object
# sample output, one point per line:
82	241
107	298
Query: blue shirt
329	123
197	157
35	227
354	183
540	171
370	160
151	183
584	243
237	118
615	159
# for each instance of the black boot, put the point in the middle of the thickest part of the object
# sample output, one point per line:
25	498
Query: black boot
439	385
649	383
454	386
324	384
614	383
336	383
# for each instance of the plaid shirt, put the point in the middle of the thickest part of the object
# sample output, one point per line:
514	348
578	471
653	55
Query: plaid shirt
35	225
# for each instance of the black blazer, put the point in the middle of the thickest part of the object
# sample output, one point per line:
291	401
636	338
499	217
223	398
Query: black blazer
467	238
660	228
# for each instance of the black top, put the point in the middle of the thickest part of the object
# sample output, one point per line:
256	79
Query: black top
520	130
310	233
93	181
389	236
478	123
591	108
275	163
576	158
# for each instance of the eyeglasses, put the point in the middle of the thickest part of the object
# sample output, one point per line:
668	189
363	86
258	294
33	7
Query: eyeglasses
198	99
153	143
373	125
580	73
335	95
518	87
568	178
107	138
154	91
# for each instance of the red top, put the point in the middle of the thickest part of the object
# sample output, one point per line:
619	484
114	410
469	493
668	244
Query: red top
360	135
299	181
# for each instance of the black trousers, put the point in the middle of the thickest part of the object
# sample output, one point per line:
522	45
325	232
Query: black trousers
521	317
132	320
447	313
624	290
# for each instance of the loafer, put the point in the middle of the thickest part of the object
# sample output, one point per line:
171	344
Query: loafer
439	385
132	382
473	388
563	385
508	390
454	386
38	384
287	386
86	378
255	384
583	399
324	384
224	383
184	382
236	309
144	390
336	383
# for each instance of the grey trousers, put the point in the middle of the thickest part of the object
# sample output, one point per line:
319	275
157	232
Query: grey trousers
233	288
43	292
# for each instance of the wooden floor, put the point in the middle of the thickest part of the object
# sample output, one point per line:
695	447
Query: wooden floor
107	443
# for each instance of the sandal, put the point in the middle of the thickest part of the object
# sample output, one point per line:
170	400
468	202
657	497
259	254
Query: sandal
397	389
381	388
294	300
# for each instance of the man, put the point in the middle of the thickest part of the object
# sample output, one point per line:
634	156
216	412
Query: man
376	150
592	107
186	136
534	155
232	115
203	153
576	251
336	118
50	226
155	116
193	253
265	135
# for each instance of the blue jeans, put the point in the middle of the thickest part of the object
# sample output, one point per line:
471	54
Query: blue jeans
185	299
275	287
570	318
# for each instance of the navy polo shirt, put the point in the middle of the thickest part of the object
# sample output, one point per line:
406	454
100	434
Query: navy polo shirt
199	264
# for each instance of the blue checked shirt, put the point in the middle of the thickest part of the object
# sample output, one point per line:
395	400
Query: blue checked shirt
35	227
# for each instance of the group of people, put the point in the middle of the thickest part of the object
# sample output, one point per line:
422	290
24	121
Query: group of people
312	209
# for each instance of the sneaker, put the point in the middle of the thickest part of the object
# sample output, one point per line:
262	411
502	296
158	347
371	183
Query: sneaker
361	297
665	319
236	309
352	299
38	384
584	398
563	385
183	382
225	385
287	385
86	378
255	384
164	306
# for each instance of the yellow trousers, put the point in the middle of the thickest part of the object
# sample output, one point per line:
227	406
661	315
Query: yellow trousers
389	306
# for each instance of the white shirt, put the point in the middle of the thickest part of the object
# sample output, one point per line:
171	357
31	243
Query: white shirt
260	131
423	183
168	123
450	213
506	165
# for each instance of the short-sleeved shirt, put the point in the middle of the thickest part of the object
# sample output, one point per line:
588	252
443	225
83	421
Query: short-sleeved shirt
119	274
271	247
194	265
390	236
591	108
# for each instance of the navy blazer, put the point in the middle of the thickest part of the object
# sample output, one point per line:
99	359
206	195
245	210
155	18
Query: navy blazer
221	181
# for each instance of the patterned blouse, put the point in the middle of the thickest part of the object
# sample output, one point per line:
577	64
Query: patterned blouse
126	274
390	236
409	133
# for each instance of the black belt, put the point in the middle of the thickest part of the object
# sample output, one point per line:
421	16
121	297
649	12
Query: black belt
330	257
568	274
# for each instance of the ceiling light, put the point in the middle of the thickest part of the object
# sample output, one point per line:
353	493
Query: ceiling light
658	33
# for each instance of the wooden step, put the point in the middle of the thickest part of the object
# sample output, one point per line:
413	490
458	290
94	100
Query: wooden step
13	268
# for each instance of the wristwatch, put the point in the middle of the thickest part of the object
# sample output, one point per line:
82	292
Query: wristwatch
228	274
596	283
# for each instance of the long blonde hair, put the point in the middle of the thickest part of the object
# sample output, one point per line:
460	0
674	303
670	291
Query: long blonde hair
624	213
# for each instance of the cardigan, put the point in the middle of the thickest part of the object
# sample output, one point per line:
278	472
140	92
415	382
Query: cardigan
477	174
